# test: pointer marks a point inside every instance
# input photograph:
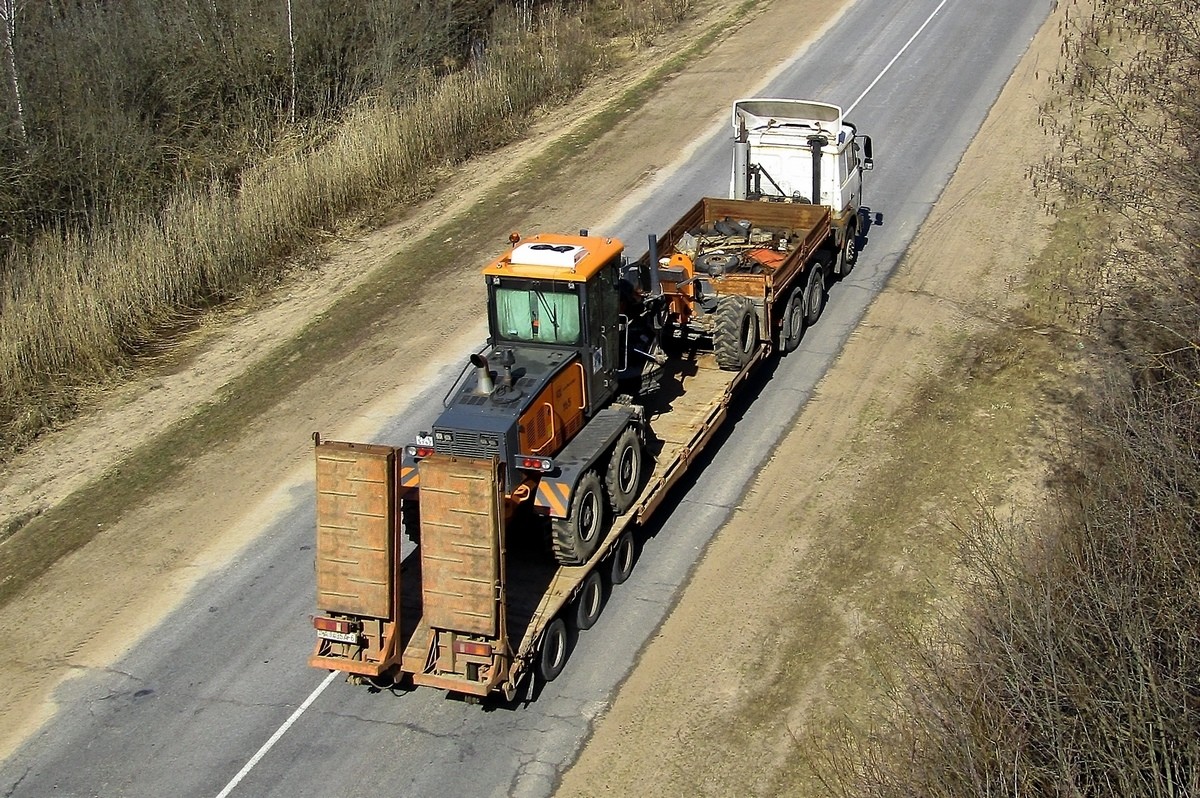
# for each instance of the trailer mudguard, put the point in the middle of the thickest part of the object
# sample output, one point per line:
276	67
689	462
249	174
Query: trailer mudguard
554	492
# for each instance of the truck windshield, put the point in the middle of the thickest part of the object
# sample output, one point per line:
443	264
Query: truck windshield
536	311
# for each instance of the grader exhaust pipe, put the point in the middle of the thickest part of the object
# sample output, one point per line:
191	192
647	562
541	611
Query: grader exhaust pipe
486	383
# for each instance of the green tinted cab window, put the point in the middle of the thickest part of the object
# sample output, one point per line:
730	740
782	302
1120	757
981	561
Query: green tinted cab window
538	311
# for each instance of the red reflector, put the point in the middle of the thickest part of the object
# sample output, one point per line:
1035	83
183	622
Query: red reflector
332	625
474	649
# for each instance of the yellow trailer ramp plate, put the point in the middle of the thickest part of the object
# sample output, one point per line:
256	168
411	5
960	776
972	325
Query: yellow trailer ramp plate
355	529
461	526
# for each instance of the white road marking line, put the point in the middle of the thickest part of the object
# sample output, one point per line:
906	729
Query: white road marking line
896	57
287	724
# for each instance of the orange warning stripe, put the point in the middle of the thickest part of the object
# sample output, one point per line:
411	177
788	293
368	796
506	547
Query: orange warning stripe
409	477
554	496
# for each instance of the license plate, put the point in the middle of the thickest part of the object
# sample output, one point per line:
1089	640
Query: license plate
338	637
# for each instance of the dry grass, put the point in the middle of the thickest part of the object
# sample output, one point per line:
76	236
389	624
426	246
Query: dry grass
1075	670
75	310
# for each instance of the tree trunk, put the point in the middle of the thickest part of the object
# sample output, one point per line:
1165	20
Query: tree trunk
8	23
291	63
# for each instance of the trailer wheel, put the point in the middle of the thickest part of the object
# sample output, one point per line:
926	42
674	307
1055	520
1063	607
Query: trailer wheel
793	321
577	536
552	656
735	336
624	555
814	293
410	519
589	602
849	251
624	475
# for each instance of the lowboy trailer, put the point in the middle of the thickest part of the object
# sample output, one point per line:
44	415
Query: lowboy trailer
601	382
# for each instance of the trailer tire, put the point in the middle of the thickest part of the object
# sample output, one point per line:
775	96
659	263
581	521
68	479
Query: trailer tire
552	655
735	336
623	477
410	519
849	251
814	293
589	602
793	321
577	536
622	559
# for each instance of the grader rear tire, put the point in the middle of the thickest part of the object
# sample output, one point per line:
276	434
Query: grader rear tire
623	477
735	336
576	537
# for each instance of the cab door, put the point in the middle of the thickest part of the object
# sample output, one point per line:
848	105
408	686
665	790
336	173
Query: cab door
850	176
603	337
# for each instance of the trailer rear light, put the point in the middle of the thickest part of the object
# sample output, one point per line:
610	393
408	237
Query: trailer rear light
419	451
472	649
536	463
336	630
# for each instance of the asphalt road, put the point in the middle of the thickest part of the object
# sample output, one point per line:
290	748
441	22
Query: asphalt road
195	702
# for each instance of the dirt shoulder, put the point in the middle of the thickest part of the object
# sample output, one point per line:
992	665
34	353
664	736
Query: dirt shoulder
166	479
793	627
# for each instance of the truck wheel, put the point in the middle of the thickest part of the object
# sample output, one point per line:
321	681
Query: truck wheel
814	293
624	555
589	602
410	519
736	335
849	251
577	536
552	656
624	475
793	321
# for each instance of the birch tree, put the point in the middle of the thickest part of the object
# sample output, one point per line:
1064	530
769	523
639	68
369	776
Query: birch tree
291	61
8	32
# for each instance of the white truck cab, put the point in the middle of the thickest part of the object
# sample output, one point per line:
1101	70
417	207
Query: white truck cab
798	151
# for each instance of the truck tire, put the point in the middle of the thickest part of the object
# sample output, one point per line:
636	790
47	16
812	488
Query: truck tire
410	519
620	564
589	602
577	536
735	336
623	478
552	655
814	293
849	251
793	321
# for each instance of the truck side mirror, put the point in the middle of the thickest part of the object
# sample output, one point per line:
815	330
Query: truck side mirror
868	158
